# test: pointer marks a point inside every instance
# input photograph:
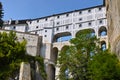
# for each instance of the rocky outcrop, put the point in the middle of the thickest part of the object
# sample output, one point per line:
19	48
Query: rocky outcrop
113	19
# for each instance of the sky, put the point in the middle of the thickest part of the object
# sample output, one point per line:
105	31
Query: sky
31	9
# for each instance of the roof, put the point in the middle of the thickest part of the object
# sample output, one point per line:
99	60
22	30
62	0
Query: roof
69	12
13	22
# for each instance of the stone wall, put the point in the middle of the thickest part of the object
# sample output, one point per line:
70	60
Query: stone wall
25	71
113	19
33	42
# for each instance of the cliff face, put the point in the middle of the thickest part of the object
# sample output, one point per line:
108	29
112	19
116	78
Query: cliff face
113	17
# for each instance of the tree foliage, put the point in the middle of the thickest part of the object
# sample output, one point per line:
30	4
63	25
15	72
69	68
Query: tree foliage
77	61
1	15
104	66
75	57
12	53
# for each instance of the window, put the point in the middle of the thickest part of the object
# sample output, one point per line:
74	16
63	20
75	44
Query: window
35	32
14	27
37	21
26	28
45	35
46	19
89	11
67	15
89	24
58	23
36	26
80	12
45	30
58	16
80	19
100	22
30	22
57	29
67	27
99	8
80	25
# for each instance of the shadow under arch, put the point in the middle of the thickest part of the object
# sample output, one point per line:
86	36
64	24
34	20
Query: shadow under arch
64	49
64	36
51	72
54	54
92	31
102	31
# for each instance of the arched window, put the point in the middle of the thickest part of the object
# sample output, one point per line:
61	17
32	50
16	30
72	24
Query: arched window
102	31
103	45
67	73
91	30
60	37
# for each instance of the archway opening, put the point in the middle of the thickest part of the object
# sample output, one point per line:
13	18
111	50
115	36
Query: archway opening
103	45
92	31
102	31
64	50
61	37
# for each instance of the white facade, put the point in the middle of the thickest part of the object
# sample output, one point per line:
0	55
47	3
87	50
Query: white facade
65	24
16	25
74	20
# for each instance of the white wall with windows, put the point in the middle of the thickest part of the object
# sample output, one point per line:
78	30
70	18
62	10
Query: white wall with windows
56	30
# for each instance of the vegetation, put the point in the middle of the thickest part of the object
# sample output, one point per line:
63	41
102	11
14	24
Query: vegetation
84	60
104	66
12	53
1	15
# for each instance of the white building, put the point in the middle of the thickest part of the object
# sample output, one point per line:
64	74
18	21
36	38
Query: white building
55	28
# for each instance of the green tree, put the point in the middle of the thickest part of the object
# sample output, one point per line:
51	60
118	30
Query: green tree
104	66
1	15
73	60
85	60
12	53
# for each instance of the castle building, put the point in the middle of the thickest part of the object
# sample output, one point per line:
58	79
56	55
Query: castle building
56	31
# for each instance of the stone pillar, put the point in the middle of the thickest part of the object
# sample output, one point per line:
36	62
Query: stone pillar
25	72
37	74
50	70
73	33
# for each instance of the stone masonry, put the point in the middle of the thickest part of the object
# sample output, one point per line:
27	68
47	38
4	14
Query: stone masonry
25	72
33	42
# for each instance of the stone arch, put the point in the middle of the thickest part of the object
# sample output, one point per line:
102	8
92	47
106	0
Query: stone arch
103	45
64	48
60	37
51	72
54	54
80	31
102	31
